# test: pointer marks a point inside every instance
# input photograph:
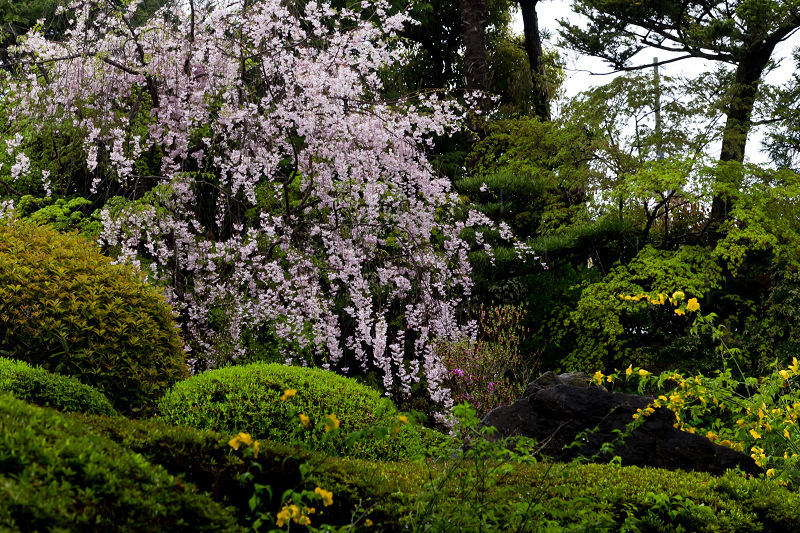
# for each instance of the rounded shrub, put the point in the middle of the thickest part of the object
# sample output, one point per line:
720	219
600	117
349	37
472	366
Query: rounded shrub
56	475
248	399
66	307
63	393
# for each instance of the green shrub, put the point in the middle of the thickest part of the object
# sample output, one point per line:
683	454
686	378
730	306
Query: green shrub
38	386
66	307
247	399
55	475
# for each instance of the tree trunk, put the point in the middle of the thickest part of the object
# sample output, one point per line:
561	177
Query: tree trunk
474	18
740	108
533	47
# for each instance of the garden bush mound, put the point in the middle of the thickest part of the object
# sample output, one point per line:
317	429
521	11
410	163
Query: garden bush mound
38	386
56	475
68	308
247	399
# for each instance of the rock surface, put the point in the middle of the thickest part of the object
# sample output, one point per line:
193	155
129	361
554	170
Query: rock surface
554	413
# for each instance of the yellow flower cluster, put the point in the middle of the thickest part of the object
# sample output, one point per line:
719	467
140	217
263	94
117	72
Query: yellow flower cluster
247	440
293	512
677	297
325	495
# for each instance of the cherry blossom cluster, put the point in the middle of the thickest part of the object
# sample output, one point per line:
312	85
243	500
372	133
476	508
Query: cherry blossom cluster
326	220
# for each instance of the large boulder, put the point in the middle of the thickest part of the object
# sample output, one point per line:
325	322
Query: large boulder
555	414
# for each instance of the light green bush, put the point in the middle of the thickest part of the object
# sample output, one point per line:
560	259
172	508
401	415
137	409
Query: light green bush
247	399
38	386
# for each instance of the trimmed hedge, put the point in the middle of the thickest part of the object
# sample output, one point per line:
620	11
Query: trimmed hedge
38	386
68	308
247	399
55	475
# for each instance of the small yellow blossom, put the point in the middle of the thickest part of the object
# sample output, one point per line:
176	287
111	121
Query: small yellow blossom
740	422
332	423
368	522
403	419
283	517
692	305
629	370
256	447
679	312
678	295
711	436
786	433
288	393
755	434
597	378
771	472
795	367
304	420
662	398
784	374
238	440
610	379
325	495
643	372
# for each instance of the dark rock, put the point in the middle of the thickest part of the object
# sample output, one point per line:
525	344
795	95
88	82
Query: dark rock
551	379
555	415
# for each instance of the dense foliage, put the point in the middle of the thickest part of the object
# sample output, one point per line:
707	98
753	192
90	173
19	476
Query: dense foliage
57	475
307	184
68	308
39	387
251	399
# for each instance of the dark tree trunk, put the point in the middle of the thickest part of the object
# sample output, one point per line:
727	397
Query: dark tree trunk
474	18
533	47
738	115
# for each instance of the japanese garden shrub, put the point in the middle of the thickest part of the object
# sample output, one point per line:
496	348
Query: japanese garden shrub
247	399
68	308
56	475
38	386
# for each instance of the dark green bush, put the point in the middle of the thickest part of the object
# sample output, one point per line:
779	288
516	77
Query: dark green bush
38	386
66	307
247	399
56	475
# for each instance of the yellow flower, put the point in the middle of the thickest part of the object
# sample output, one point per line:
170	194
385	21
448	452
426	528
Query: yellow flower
332	423
784	374
256	446
740	422
325	495
283	516
304	420
238	440
629	370
755	434
403	419
711	436
679	312
288	393
368	522
786	433
771	472
598	377
643	372
692	305
678	295
795	367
